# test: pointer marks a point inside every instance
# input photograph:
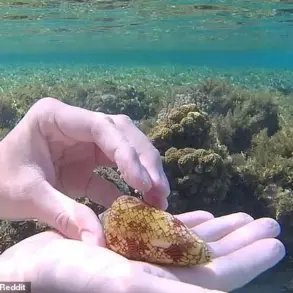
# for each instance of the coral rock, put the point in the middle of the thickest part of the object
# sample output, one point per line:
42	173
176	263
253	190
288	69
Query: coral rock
184	126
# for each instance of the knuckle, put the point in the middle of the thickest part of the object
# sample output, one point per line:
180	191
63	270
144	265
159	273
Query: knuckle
62	222
101	123
45	103
102	118
123	119
107	119
44	109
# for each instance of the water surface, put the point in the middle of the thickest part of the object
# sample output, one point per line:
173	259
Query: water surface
226	33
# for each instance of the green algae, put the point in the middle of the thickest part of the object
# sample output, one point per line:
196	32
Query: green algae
186	119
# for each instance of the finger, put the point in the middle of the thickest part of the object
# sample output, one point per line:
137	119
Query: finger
248	262
246	235
149	158
236	269
72	219
191	219
217	228
87	126
153	284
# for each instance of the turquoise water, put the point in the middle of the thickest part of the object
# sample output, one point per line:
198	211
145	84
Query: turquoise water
266	59
249	42
211	33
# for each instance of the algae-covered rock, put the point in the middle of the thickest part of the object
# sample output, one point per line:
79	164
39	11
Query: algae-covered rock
127	100
198	177
236	114
189	160
106	96
239	114
200	170
269	168
185	126
197	166
271	158
12	232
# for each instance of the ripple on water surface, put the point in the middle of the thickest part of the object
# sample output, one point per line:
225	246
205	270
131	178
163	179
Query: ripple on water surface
165	25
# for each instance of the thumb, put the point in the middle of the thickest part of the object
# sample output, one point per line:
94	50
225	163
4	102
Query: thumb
74	220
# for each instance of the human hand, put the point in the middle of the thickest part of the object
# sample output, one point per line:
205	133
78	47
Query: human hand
54	150
242	248
55	264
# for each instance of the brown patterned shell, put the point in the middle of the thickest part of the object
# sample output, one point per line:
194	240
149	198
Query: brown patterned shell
140	232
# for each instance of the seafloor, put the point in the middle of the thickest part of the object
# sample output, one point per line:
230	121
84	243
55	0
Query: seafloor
225	136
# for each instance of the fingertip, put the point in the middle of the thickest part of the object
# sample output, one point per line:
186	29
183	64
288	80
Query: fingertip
160	191
139	179
152	182
157	197
278	249
89	226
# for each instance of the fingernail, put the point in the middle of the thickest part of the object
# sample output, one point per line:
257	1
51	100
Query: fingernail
88	238
165	182
164	204
146	180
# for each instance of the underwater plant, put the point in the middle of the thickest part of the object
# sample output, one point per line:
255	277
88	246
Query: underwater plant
197	168
236	114
106	97
185	126
223	149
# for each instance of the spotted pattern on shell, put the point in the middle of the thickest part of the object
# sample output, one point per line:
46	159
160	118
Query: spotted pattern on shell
141	232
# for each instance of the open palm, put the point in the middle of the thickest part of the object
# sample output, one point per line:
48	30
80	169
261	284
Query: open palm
237	243
241	247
